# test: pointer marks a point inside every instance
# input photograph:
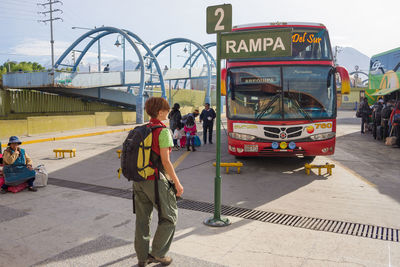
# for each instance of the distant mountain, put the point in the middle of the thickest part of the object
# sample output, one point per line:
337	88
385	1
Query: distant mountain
349	57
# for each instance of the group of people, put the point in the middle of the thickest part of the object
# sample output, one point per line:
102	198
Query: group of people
184	127
385	117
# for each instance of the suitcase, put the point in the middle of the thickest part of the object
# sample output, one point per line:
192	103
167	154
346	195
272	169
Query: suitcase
379	132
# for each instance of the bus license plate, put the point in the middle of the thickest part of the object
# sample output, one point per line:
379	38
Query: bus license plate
250	148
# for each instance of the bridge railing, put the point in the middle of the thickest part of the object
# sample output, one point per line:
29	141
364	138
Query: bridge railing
77	80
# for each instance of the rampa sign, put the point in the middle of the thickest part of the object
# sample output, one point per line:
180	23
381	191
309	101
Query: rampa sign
257	44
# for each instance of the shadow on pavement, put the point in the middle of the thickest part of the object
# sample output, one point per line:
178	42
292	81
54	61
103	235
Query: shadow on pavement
372	160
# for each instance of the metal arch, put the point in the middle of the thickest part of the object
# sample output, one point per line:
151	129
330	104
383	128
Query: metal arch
88	46
354	72
207	46
140	41
111	30
163	45
153	59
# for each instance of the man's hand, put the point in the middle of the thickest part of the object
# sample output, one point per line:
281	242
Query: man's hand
30	167
179	189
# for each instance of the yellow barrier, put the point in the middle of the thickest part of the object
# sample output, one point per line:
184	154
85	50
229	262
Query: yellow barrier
328	167
227	165
119	151
63	151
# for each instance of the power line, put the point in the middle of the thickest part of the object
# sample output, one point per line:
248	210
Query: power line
51	19
18	2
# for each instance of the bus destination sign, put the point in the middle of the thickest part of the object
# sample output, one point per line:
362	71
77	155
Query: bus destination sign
257	44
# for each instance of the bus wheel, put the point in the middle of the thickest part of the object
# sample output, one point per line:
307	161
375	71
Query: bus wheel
309	159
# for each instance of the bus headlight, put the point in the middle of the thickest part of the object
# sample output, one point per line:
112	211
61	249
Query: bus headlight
322	136
240	136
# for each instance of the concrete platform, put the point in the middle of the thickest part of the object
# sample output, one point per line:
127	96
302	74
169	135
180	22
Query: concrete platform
61	226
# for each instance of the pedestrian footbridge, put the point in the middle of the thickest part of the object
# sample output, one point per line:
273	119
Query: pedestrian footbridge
125	88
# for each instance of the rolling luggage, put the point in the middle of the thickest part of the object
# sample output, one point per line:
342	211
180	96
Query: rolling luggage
379	132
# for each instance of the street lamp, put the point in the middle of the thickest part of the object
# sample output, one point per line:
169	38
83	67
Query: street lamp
98	45
338	49
117	44
190	59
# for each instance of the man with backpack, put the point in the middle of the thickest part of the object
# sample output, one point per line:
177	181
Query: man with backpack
377	118
151	145
364	112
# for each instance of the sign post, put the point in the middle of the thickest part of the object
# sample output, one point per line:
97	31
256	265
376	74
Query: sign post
219	19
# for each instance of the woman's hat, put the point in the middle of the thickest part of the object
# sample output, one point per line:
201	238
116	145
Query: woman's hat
14	139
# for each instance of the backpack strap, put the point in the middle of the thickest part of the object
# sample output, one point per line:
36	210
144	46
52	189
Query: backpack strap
157	195
157	179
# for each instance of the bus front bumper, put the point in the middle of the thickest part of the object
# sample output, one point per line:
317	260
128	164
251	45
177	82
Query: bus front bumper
253	149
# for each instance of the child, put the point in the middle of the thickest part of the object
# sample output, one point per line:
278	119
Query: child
178	133
190	131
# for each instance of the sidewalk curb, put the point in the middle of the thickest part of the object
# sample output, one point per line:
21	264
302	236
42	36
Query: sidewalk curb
71	136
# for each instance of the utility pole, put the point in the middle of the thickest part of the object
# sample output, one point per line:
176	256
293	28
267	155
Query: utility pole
50	12
73	56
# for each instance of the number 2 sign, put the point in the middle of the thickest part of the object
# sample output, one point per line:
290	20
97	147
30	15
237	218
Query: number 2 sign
219	18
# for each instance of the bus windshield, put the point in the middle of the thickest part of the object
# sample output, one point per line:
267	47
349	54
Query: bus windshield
281	93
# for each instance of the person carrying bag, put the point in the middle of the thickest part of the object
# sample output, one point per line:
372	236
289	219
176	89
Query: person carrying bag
145	160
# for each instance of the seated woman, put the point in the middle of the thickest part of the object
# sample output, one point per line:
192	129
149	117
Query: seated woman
17	166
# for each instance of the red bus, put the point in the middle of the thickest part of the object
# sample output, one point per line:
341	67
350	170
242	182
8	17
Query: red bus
284	106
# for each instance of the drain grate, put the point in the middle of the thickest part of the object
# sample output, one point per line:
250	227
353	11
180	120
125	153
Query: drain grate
316	224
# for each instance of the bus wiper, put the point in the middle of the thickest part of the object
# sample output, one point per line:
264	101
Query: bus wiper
305	113
270	103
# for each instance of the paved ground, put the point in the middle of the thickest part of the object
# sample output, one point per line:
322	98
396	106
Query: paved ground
60	226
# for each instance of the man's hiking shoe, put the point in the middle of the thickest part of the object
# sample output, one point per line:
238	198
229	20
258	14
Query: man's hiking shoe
165	261
3	191
32	189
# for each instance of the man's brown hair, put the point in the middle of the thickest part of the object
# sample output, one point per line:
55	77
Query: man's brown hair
154	104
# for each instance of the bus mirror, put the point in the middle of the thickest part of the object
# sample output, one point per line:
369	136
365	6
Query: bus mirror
223	82
230	84
329	79
344	76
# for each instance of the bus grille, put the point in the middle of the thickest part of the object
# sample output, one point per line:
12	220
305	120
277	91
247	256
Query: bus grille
273	132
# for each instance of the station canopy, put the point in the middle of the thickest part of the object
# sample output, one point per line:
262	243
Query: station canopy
386	91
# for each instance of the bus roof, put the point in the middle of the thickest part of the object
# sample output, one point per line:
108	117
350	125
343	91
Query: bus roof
264	24
386	52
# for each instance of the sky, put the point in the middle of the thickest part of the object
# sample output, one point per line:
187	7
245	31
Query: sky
368	26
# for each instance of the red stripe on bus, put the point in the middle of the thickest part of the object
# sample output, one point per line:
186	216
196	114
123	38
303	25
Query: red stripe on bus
257	63
278	26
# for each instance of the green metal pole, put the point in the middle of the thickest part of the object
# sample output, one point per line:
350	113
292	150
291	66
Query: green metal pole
217	221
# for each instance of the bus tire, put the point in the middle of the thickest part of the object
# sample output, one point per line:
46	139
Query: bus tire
309	159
